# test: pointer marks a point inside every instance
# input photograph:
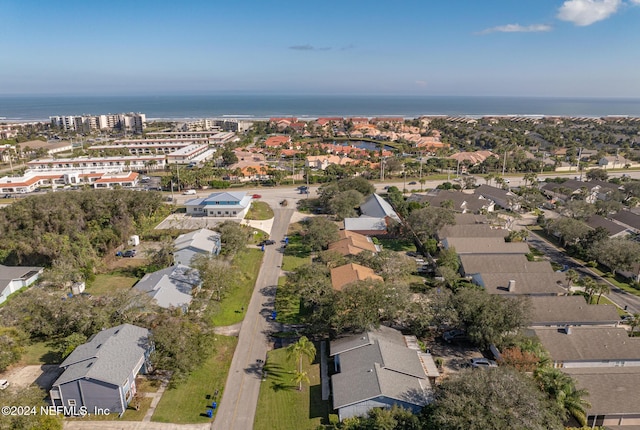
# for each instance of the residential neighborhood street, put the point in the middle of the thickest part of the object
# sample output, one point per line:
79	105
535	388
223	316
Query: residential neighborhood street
618	296
238	404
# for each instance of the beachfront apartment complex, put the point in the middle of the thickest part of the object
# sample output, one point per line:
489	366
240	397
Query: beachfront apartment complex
131	122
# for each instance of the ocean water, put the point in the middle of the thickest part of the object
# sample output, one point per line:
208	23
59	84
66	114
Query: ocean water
30	108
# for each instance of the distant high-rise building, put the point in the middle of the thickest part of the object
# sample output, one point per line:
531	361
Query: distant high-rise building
131	122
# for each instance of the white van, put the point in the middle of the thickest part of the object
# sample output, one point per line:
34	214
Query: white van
189	192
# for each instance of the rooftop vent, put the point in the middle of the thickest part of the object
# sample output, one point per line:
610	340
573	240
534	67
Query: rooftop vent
511	286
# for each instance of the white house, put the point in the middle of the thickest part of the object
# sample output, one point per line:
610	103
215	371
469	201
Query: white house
187	246
12	278
226	204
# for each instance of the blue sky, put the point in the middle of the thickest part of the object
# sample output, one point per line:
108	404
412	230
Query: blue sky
572	48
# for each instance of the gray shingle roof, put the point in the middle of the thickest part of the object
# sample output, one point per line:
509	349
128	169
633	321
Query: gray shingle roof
170	287
365	223
570	310
377	363
596	221
611	390
377	207
589	344
525	283
110	356
485	245
204	239
502	264
9	273
466	219
472	231
628	218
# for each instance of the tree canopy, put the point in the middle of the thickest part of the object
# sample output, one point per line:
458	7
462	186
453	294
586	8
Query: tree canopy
500	399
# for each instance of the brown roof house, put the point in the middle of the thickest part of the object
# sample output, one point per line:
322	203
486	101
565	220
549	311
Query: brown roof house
350	273
352	243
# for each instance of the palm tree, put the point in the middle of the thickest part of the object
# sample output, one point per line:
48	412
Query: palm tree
561	389
589	287
571	276
600	290
302	348
299	378
634	323
530	177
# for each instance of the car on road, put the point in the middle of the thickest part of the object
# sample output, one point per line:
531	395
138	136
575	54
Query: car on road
129	253
482	363
4	384
189	192
256	196
412	183
454	335
7	196
267	242
305	191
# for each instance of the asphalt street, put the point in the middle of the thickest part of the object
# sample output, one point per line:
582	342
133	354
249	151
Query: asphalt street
620	297
238	404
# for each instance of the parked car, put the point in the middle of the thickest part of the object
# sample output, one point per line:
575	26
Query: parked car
7	196
267	242
482	363
129	254
454	335
256	196
4	384
189	192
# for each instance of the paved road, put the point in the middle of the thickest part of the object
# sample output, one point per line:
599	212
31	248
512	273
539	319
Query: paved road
238	404
618	296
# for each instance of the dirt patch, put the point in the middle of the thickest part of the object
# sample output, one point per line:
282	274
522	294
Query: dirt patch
43	376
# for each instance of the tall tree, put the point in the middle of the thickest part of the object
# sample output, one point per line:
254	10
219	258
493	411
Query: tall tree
499	399
561	390
296	351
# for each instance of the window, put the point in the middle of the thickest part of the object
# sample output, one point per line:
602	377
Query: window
71	402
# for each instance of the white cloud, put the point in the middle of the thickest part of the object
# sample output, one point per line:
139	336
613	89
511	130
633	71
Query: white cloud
586	12
635	2
517	28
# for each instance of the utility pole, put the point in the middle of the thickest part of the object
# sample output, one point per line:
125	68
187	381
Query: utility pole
580	158
504	162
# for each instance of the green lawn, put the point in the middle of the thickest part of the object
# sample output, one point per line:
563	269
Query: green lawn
259	211
188	402
618	281
38	353
110	283
296	254
281	405
246	267
287	304
398	245
129	415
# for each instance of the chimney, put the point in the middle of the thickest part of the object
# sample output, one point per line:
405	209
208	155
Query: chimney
512	286
567	329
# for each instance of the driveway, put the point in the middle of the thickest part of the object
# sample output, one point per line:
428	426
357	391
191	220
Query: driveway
41	375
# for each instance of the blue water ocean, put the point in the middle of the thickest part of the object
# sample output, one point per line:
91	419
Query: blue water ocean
30	108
